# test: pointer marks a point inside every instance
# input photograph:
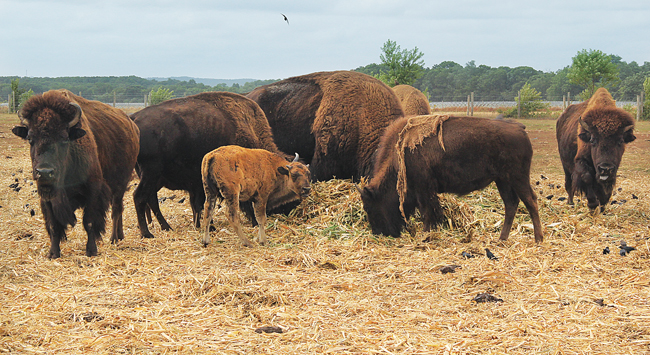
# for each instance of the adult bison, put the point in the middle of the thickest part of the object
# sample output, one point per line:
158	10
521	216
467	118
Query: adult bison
591	138
422	156
176	134
255	176
83	153
414	102
334	120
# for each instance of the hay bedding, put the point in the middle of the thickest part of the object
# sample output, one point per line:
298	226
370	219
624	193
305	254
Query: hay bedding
328	284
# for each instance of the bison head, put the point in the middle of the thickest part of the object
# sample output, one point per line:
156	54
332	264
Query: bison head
299	177
50	126
605	132
382	210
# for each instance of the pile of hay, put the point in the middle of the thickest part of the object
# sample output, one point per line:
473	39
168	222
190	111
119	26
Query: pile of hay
327	284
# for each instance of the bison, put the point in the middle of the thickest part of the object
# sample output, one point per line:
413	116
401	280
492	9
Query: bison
332	119
591	138
83	154
421	156
176	134
414	102
239	174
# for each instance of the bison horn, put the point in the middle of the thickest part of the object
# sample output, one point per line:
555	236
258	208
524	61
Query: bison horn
628	128
358	188
583	124
77	115
23	120
296	158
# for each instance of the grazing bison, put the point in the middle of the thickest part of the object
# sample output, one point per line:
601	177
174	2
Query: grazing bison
422	156
238	174
334	120
414	103
176	134
591	138
83	153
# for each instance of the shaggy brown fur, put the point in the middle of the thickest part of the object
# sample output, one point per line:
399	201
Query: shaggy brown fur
417	128
238	174
591	139
414	102
176	134
87	164
334	120
477	152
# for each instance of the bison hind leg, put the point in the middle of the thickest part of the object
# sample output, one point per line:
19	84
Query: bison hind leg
511	202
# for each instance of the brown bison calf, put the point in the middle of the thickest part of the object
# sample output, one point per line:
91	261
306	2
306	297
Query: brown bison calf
239	174
422	156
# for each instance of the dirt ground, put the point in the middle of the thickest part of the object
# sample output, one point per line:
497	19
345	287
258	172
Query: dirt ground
329	285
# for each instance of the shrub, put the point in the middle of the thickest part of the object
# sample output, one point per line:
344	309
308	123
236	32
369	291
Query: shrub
160	95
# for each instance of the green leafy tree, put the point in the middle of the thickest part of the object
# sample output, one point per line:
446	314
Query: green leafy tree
160	95
531	102
403	66
593	69
24	97
17	92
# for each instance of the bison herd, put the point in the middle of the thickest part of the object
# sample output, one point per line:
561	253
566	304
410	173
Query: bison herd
244	149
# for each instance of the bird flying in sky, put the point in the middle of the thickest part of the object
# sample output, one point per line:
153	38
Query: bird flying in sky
285	18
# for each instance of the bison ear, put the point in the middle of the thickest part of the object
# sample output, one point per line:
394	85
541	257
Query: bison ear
283	170
585	137
628	136
76	133
20	131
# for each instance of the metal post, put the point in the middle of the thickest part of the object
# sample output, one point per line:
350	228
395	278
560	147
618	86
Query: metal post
639	107
467	105
519	104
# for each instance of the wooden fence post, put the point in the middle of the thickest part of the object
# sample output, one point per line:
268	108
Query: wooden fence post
9	103
564	106
568	99
145	100
472	112
114	98
639	109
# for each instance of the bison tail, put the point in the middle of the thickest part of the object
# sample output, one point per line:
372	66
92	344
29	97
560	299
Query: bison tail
209	183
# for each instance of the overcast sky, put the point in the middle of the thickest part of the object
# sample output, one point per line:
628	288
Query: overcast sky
250	39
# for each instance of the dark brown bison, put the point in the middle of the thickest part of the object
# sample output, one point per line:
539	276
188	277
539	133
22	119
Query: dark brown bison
176	134
238	175
414	102
422	156
83	153
334	120
591	138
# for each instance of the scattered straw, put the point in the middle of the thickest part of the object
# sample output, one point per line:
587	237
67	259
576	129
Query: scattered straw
329	284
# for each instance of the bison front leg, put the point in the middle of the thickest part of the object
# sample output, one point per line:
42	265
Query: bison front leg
55	230
430	209
568	186
260	216
116	215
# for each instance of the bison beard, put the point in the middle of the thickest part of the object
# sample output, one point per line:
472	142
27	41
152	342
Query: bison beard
591	140
83	153
450	155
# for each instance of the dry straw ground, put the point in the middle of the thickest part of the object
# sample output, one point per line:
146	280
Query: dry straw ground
328	283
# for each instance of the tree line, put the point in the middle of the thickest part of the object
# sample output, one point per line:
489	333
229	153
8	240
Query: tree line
121	88
450	81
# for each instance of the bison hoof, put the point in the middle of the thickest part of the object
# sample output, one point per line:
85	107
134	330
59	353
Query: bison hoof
53	255
165	227
147	235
